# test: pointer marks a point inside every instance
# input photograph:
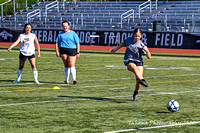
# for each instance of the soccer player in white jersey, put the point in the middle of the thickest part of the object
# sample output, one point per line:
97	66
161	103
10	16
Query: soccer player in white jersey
135	48
68	48
27	42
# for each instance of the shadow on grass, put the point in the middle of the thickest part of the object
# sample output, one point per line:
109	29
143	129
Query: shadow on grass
32	81
99	98
23	81
6	80
163	112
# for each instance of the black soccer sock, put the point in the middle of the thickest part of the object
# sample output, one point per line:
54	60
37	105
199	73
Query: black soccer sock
135	93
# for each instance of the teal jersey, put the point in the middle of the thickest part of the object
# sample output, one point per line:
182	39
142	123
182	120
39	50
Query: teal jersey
67	40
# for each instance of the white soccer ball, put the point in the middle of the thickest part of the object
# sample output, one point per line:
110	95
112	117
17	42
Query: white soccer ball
173	105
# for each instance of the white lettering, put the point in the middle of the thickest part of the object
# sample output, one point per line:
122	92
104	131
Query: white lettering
167	39
50	36
180	40
82	35
162	39
55	35
39	35
87	37
117	39
92	39
124	36
144	38
157	39
172	41
106	37
111	38
130	34
44	38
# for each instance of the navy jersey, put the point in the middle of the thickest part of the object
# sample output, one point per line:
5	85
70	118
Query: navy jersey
134	50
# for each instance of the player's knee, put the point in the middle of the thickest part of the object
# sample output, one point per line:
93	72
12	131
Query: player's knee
129	67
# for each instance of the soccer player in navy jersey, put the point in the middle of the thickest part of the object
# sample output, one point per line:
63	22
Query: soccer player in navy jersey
135	48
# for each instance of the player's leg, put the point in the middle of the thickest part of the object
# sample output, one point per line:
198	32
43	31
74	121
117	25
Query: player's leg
19	71
67	67
22	60
32	61
138	85
71	62
135	69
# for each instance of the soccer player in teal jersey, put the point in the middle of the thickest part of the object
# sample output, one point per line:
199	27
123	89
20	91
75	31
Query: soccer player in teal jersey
68	48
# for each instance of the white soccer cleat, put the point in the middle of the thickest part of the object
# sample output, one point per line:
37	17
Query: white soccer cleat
37	82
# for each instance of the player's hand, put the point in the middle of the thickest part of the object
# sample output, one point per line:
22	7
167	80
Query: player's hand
9	49
38	56
78	55
112	50
57	54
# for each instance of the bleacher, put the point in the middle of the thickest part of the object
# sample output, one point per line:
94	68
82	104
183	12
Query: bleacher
181	16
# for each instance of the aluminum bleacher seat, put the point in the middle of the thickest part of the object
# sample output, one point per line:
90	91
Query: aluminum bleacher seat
100	15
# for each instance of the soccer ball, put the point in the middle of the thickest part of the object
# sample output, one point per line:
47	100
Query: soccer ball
173	105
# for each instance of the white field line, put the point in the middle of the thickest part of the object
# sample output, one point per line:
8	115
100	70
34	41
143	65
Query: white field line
170	93
63	70
56	101
163	126
122	88
85	54
84	99
107	79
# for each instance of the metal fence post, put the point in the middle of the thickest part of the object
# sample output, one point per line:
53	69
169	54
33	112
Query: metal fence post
0	22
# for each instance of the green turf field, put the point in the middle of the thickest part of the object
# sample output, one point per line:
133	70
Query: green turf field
101	101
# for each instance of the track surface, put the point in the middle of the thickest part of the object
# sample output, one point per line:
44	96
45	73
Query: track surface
88	47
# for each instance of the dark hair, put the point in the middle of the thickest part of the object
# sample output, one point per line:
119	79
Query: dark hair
137	30
66	22
25	27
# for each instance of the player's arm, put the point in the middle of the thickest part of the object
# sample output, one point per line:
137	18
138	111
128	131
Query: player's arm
78	50
38	46
148	55
118	47
14	44
57	52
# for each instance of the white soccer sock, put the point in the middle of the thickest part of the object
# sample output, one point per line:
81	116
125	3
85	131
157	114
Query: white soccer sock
19	73
73	73
35	74
67	74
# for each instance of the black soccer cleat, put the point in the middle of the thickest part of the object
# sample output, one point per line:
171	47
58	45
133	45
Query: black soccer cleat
135	98
143	82
74	82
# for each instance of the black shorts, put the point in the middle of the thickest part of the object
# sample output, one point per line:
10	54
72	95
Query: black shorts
23	57
68	51
136	63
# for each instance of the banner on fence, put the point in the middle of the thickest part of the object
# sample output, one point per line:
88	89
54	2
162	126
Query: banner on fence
113	38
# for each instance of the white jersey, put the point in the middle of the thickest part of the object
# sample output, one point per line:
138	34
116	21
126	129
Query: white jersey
27	45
